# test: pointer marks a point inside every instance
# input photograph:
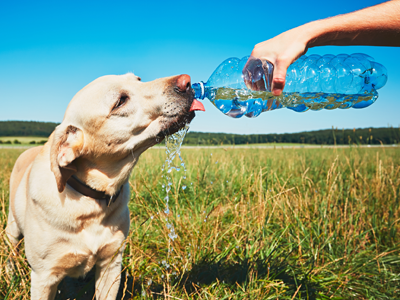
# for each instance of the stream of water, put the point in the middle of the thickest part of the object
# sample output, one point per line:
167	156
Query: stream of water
173	150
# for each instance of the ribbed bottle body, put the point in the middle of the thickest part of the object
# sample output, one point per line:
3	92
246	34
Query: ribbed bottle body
241	87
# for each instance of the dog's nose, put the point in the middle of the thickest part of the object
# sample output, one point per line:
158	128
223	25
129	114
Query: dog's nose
183	83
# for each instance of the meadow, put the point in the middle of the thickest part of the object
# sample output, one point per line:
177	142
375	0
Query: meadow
252	224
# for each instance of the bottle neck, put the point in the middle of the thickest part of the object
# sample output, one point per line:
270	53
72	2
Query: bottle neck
199	90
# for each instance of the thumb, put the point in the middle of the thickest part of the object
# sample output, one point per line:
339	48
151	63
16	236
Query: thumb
279	77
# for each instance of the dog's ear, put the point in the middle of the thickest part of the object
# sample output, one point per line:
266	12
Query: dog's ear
66	147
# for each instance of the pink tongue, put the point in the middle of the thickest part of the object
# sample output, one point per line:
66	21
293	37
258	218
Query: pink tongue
197	105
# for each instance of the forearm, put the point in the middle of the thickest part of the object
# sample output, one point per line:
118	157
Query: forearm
375	26
378	25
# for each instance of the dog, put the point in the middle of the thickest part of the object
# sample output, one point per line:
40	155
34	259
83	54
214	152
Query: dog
68	198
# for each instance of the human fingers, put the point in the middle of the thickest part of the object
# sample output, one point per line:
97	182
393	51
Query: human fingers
253	74
279	76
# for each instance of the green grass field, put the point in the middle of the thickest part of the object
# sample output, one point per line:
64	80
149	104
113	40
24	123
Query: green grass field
254	224
244	145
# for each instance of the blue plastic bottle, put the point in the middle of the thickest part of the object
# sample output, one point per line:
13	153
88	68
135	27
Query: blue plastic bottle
243	86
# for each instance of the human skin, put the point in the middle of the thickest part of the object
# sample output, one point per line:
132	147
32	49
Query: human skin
377	25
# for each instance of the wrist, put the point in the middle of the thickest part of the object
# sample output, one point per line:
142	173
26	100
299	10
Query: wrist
312	34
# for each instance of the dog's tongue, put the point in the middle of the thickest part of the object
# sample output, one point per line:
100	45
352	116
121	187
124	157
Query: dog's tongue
197	105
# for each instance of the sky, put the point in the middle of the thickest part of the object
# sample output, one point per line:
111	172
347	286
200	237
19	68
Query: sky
49	50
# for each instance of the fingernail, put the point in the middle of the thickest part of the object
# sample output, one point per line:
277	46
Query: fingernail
276	92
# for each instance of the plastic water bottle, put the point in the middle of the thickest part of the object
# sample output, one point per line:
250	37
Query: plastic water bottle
243	86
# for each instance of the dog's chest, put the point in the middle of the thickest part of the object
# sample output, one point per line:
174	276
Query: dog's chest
90	247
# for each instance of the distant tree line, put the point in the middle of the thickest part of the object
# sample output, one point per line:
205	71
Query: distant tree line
320	137
26	128
332	136
17	142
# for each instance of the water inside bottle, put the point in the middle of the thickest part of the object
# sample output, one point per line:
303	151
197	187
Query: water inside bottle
238	102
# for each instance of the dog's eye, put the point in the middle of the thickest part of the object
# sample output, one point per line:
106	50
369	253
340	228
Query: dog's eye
121	101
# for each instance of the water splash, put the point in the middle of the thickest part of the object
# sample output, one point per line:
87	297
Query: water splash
173	149
173	162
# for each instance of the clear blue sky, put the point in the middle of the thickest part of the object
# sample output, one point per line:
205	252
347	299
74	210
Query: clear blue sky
49	50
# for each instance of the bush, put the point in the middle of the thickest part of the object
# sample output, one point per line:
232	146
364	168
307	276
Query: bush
1	142
42	142
32	142
17	142
7	142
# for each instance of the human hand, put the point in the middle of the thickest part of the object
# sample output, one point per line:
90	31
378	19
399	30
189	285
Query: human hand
374	26
281	51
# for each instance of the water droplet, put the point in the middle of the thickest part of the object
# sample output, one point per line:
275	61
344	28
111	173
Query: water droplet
211	182
151	217
184	187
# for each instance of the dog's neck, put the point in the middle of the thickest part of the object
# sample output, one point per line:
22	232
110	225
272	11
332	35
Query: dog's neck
103	177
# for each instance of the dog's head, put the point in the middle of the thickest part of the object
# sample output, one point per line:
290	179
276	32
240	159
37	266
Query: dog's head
112	120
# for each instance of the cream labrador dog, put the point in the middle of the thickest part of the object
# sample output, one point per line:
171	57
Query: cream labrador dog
68	198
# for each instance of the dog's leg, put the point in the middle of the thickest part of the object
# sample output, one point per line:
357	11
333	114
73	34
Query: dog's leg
12	230
43	287
14	235
108	277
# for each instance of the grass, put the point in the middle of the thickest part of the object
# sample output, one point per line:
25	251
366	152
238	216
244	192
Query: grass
255	224
259	145
242	145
